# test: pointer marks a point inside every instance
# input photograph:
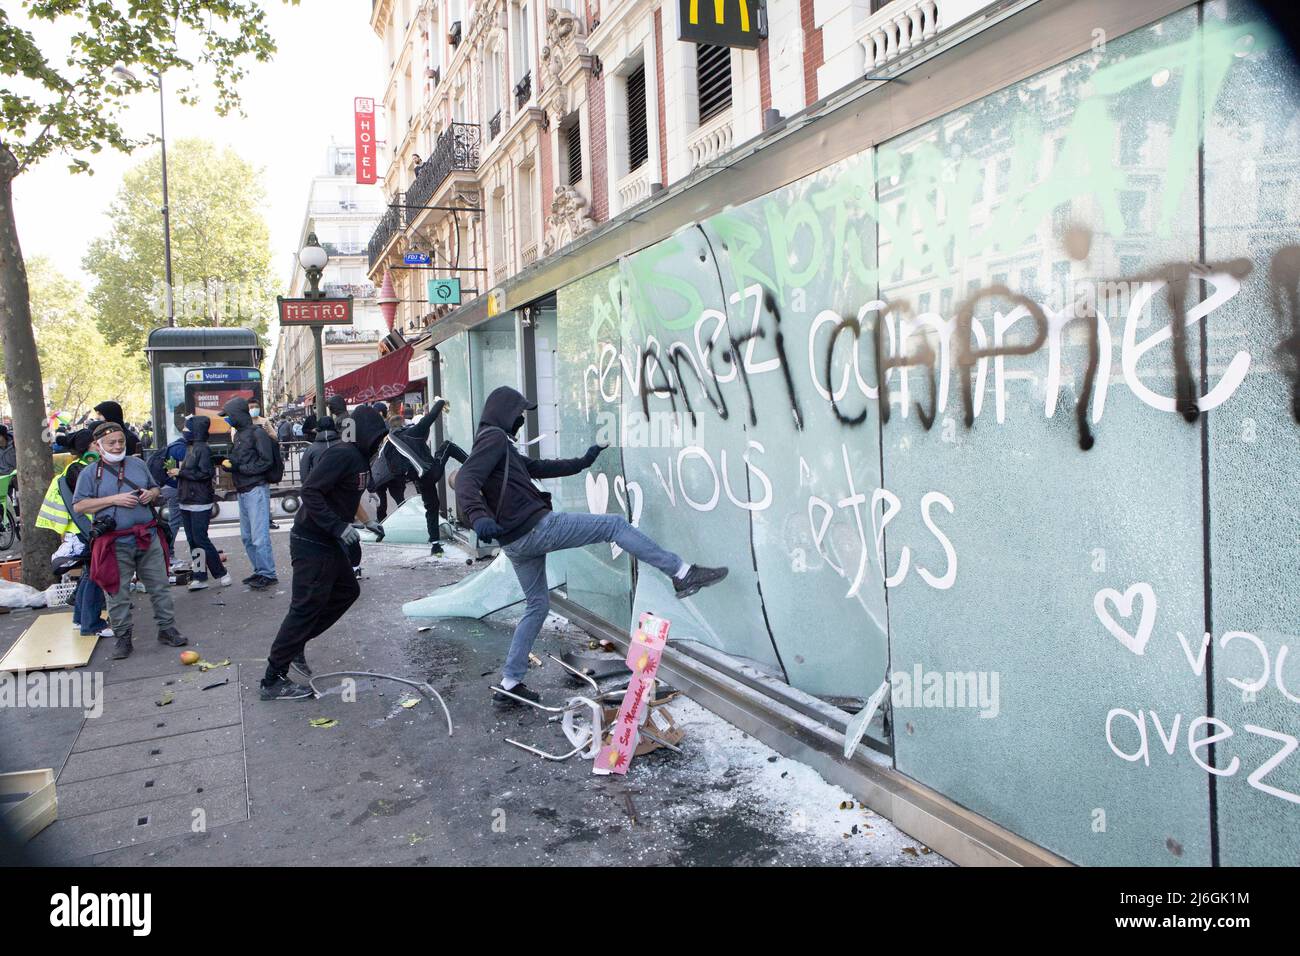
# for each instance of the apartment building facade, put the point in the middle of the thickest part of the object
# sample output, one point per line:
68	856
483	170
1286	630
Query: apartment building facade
517	126
342	214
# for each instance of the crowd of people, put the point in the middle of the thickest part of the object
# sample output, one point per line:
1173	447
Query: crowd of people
120	509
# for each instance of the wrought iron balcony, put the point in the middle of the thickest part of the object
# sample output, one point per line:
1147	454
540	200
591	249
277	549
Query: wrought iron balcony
494	126
523	90
343	248
457	149
389	226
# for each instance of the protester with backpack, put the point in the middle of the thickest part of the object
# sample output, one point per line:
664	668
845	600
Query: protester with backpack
195	498
255	465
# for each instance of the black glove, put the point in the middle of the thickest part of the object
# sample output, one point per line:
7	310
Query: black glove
593	453
375	528
487	529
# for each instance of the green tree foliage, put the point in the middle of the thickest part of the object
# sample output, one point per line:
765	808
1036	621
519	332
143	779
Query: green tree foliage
68	101
79	367
221	252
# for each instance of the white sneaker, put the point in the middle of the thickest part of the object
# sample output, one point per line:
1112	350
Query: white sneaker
226	582
106	632
196	585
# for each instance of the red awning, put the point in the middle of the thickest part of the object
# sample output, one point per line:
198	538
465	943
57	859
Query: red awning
382	379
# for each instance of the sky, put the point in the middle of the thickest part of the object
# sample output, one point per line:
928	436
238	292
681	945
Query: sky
328	54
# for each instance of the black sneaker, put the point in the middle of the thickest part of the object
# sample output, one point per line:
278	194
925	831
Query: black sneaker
171	637
284	689
122	649
250	579
260	583
435	548
519	690
299	667
697	577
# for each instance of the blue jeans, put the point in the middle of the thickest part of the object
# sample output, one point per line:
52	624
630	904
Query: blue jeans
255	529
87	604
204	556
171	513
559	531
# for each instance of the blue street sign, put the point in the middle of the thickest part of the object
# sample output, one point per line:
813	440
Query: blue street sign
416	259
444	292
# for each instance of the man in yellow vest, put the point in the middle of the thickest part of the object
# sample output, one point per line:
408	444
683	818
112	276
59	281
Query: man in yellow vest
56	515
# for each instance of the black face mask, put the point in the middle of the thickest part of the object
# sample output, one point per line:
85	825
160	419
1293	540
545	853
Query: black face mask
519	423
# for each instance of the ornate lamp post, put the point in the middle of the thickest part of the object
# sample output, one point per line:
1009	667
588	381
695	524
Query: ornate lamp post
313	259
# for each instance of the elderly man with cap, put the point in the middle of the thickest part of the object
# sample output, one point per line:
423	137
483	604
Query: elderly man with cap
120	492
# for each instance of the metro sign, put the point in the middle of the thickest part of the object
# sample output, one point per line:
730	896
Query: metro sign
315	311
736	23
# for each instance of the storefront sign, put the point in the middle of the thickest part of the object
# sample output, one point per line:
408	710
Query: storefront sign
738	23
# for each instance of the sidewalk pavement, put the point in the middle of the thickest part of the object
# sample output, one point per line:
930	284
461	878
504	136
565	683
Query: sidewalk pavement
219	777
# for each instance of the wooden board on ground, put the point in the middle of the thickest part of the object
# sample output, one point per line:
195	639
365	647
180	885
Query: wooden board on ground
28	802
51	642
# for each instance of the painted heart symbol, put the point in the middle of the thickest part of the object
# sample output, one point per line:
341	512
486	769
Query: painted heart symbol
623	491
597	493
1137	642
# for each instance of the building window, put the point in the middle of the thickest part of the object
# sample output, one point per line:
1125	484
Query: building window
638	142
572	137
524	205
713	75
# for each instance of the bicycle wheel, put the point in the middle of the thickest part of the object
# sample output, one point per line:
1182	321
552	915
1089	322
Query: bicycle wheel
7	533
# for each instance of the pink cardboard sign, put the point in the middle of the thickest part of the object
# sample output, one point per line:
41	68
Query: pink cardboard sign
643	655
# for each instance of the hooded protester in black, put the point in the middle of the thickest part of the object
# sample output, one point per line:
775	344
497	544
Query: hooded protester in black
333	490
252	453
324	586
479	493
194	484
112	412
406	457
326	435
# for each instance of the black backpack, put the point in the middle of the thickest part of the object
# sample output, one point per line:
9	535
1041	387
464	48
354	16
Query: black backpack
155	464
275	473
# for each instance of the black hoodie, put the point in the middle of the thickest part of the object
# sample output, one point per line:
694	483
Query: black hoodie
333	490
252	453
478	483
194	485
112	412
326	435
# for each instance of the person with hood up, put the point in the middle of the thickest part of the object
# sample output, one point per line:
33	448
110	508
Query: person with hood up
326	435
496	495
254	456
406	456
112	412
324	585
194	498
